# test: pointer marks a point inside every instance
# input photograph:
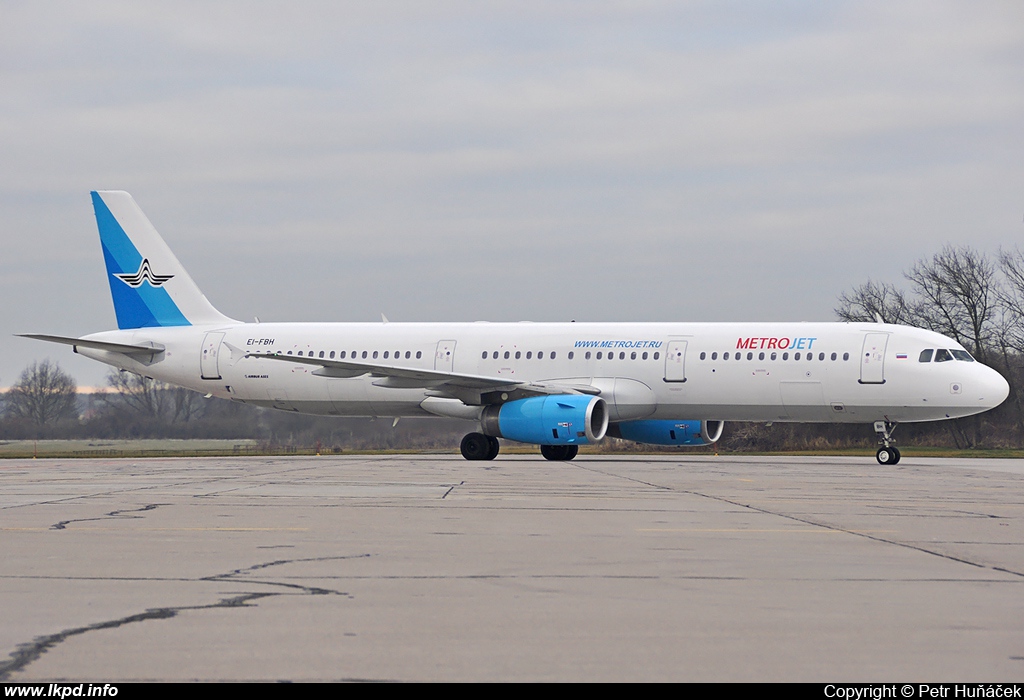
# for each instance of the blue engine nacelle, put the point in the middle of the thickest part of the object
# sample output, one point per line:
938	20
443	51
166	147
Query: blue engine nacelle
563	419
669	432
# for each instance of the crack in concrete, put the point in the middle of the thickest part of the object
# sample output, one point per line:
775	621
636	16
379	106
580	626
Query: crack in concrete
112	514
450	489
807	521
311	590
170	484
26	653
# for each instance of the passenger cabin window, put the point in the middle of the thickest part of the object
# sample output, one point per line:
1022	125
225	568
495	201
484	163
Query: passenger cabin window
943	355
926	355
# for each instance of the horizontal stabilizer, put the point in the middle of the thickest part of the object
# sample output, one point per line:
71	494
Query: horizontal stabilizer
123	348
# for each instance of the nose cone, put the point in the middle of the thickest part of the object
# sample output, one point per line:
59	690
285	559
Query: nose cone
992	388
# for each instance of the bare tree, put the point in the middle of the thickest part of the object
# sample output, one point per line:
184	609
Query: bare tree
1011	298
959	297
44	395
152	399
873	300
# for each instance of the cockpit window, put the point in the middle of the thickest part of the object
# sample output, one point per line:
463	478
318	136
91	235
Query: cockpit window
943	355
962	355
926	356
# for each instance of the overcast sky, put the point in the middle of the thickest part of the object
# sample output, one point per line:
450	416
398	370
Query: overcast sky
503	161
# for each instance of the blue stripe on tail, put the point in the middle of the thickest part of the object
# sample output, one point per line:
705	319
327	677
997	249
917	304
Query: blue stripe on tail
143	306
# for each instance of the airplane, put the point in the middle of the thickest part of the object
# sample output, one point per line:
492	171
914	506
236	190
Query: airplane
555	385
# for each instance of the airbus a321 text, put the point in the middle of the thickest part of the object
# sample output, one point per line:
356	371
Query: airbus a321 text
556	385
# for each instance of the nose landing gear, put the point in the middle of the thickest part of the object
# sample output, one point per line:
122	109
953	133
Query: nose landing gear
887	453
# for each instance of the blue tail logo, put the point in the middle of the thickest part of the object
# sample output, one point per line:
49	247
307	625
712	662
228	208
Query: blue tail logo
145	274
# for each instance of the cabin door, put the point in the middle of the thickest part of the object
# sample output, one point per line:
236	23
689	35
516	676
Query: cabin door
675	361
872	358
444	357
209	367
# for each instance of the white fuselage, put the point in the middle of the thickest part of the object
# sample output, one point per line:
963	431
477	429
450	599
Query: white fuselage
851	373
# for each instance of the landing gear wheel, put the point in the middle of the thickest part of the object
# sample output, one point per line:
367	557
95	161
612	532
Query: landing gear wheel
559	453
887	452
493	447
887	455
476	446
552	452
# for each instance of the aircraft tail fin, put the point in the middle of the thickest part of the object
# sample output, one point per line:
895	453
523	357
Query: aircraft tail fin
150	288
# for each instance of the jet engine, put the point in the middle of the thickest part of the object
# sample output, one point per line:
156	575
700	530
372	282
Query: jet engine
668	432
562	419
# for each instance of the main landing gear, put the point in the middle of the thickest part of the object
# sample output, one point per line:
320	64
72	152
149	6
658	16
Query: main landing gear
887	453
559	453
476	446
479	446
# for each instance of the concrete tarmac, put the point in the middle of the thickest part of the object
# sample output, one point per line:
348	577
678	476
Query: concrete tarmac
432	568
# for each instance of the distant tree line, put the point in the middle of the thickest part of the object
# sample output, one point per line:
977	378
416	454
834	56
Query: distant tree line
972	297
44	404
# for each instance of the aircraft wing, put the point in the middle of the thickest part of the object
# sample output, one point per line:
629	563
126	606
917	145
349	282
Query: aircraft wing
124	348
470	388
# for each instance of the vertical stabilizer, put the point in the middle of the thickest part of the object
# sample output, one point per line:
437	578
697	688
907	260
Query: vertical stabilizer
149	286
